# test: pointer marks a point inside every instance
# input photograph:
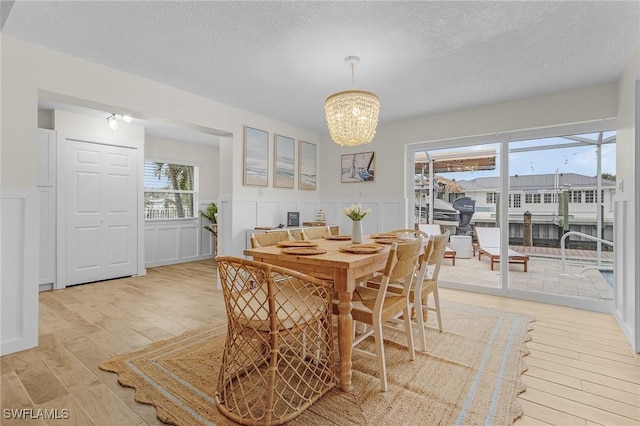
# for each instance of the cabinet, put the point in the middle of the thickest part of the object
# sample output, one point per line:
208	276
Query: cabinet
46	185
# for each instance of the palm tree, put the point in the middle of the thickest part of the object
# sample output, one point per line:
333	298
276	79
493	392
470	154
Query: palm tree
180	177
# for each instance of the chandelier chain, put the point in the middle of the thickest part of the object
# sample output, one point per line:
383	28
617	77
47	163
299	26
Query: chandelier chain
353	75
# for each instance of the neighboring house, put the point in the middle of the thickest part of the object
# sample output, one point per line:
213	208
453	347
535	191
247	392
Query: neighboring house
538	195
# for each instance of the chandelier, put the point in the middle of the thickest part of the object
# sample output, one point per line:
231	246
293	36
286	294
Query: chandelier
352	115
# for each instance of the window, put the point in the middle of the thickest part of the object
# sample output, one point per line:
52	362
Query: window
590	196
169	190
517	200
550	198
532	198
491	197
575	196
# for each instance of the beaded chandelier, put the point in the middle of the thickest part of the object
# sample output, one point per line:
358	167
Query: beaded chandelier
352	115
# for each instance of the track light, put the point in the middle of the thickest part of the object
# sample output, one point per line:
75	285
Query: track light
112	122
127	118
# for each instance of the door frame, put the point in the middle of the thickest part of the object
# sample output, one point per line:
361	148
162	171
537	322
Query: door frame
61	192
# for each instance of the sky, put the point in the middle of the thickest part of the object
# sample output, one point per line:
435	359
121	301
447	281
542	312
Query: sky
580	160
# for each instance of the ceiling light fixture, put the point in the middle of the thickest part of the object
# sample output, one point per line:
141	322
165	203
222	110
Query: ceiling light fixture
127	118
112	122
352	115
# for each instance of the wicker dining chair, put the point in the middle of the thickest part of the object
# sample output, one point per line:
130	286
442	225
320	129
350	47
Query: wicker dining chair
315	233
377	306
263	239
278	357
409	232
425	282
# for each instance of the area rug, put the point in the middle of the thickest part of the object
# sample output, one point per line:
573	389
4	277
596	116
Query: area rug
469	375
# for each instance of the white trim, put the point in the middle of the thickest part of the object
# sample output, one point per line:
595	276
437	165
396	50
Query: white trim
607	124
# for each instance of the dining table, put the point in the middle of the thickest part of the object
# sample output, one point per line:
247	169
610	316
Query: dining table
344	269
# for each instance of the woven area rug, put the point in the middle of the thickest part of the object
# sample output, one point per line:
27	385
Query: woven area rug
469	375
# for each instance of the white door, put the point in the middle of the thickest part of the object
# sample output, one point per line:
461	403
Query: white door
100	211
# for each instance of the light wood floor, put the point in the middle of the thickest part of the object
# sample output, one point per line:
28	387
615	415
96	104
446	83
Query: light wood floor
581	369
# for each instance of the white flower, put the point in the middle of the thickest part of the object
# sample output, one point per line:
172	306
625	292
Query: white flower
355	212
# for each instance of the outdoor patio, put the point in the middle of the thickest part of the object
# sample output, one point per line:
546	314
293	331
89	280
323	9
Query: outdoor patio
544	272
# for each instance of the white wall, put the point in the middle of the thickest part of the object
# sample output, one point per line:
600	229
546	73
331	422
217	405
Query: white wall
174	241
627	205
29	72
591	103
206	157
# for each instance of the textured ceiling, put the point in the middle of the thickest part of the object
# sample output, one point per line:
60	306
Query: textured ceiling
282	59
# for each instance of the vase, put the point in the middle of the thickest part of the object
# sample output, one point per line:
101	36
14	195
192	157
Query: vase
356	232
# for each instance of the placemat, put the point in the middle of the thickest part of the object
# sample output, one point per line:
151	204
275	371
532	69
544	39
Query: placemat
297	244
304	251
338	237
362	248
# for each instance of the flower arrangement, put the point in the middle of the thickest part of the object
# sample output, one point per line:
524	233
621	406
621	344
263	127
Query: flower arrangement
355	212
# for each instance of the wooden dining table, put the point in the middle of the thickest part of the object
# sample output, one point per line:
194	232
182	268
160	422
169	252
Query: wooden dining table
344	270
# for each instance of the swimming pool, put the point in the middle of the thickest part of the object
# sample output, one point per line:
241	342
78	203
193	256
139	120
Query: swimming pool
608	275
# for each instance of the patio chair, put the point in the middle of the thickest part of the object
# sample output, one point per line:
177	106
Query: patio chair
434	229
264	239
278	357
376	306
489	245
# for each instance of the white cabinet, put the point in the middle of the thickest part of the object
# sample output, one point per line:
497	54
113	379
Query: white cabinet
46	182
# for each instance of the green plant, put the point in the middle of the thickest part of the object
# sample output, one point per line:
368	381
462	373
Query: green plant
210	214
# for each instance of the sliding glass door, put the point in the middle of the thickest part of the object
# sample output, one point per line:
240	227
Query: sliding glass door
547	206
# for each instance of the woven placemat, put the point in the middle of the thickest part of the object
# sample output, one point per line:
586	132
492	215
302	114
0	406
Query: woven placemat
390	240
304	251
361	248
338	237
297	244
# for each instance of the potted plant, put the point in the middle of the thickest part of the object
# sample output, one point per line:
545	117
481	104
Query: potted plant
210	214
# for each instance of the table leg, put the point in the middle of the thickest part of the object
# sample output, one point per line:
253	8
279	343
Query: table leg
345	339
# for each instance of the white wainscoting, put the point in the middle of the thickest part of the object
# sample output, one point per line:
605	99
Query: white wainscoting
19	225
175	241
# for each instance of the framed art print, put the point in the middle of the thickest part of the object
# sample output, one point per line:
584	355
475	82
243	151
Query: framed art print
256	157
307	165
284	162
359	167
